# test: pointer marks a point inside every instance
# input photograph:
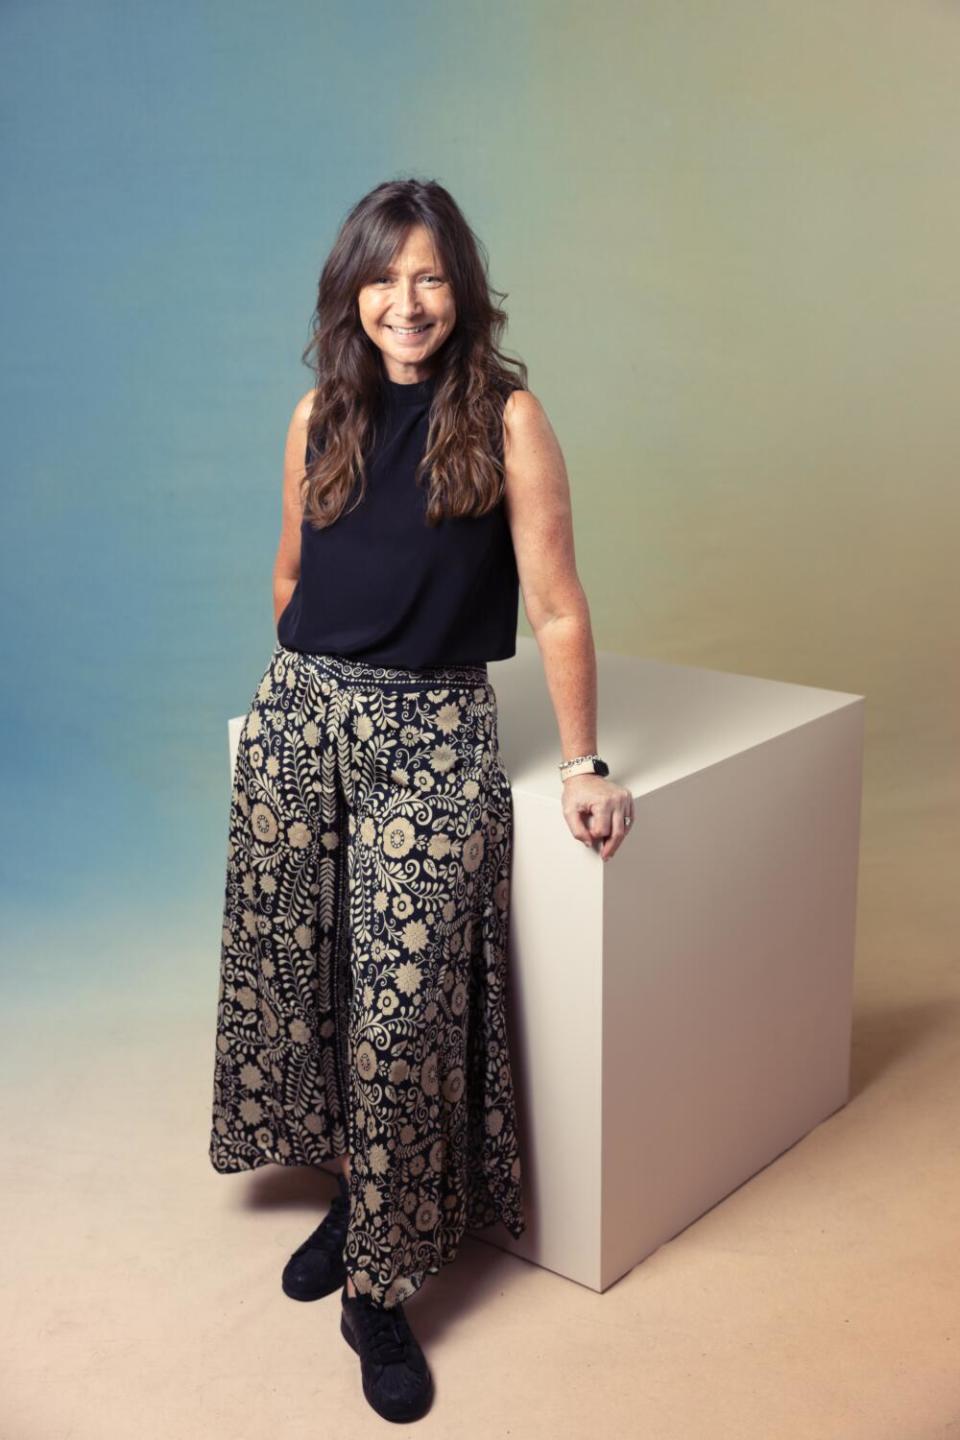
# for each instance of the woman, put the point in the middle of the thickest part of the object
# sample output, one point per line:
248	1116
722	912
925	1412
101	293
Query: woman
361	1016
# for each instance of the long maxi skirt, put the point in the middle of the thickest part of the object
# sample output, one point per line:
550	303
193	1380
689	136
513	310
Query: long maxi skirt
363	972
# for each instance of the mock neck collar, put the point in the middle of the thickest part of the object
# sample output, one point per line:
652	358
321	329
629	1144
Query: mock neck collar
420	392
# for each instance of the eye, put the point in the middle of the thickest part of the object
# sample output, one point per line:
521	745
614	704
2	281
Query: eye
385	279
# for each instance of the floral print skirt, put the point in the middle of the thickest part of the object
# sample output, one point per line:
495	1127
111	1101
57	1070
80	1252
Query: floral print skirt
363	968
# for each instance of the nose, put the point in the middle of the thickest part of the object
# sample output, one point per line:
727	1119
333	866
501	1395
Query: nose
408	304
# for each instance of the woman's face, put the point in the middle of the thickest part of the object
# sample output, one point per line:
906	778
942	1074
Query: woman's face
413	292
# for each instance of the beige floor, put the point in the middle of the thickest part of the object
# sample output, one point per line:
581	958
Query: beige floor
819	1301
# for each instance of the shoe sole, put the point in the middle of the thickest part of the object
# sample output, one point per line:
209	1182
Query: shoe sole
399	1416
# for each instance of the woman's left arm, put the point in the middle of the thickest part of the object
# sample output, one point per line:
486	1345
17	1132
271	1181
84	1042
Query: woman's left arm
538	510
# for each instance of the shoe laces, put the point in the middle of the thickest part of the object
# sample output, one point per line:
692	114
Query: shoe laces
333	1226
387	1329
339	1211
337	1214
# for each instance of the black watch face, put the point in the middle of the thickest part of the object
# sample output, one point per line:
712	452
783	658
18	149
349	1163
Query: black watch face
601	767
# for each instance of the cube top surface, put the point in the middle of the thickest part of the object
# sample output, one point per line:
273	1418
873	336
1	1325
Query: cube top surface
657	722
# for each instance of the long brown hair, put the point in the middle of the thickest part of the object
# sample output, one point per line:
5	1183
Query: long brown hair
463	460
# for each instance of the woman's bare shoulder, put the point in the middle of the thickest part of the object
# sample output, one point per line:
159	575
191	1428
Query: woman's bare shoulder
525	421
297	428
303	407
296	442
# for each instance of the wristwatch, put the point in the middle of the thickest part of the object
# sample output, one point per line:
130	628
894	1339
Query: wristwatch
584	765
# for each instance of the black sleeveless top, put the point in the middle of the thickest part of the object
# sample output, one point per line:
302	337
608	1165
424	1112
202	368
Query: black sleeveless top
382	585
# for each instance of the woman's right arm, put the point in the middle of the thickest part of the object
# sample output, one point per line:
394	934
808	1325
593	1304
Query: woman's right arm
286	569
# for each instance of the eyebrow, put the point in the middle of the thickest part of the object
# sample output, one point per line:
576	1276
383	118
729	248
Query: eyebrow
427	270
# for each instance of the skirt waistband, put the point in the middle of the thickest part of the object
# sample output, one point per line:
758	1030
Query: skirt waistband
349	670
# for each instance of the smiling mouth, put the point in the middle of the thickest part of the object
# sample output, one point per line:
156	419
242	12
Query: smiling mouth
410	329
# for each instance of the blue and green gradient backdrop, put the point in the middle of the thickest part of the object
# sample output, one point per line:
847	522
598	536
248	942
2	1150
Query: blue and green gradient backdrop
728	236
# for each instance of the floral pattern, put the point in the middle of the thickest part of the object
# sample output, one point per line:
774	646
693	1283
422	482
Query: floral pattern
363	984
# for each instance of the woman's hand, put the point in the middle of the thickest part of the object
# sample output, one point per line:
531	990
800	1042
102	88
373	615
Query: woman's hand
597	809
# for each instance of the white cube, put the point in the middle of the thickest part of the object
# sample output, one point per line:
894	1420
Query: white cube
681	1013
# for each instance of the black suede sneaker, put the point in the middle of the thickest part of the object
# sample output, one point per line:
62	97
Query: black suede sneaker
396	1378
316	1267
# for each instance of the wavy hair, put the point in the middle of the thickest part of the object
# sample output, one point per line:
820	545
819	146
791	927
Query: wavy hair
462	464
